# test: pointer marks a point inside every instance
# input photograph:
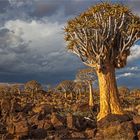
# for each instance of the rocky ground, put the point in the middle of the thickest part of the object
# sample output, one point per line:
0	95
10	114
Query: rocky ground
51	116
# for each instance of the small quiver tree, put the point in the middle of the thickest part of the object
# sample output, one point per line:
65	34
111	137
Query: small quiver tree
79	89
102	37
88	76
32	86
66	87
15	89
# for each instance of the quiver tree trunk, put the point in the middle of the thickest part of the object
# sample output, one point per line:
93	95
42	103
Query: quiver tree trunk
65	94
71	95
91	101
109	101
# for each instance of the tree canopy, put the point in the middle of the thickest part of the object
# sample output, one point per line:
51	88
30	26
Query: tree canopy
32	86
87	74
103	33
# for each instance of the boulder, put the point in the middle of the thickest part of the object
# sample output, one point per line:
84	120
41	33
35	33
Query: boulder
116	127
136	120
78	135
9	137
40	124
45	124
16	107
124	131
138	135
70	121
33	119
90	133
2	129
74	122
82	107
56	121
28	107
90	123
112	118
48	109
80	123
38	134
48	125
74	107
21	127
38	108
11	129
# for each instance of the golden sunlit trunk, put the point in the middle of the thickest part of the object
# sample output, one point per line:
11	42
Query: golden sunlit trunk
109	102
91	101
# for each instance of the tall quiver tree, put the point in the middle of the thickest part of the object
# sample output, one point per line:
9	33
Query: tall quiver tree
87	75
102	37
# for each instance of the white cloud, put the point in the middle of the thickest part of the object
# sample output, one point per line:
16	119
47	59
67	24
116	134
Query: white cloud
127	74
135	53
46	50
135	68
39	32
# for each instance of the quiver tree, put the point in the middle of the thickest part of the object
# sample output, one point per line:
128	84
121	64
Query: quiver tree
15	89
102	37
66	87
32	86
79	88
88	76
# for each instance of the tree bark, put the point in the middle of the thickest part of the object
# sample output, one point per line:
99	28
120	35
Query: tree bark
109	101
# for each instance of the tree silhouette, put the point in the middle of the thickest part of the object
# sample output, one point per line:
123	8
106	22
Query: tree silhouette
80	88
87	75
66	86
102	37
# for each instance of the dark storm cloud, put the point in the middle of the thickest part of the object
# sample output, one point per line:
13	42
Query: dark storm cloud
70	7
45	8
12	48
30	9
38	9
41	8
4	4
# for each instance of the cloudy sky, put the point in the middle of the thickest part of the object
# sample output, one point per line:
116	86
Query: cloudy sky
32	45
